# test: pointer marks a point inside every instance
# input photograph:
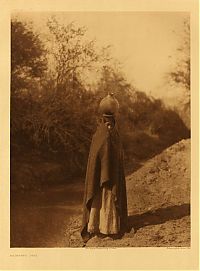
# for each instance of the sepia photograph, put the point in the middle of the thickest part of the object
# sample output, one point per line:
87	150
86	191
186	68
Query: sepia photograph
100	129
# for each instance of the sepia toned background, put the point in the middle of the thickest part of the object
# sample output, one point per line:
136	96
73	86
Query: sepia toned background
35	163
59	74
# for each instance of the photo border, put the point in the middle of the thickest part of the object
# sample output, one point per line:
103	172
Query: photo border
104	258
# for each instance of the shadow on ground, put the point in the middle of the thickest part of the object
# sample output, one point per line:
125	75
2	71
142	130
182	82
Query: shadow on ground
158	216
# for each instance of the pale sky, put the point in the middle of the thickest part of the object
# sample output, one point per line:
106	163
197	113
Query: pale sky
141	41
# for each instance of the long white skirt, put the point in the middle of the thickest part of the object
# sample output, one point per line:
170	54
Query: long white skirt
104	217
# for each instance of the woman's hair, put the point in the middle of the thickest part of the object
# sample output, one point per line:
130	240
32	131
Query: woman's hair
108	118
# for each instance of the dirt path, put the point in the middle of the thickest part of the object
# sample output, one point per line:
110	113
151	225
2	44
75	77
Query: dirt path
158	204
58	225
164	227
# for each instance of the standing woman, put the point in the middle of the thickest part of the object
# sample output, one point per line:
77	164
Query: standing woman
105	200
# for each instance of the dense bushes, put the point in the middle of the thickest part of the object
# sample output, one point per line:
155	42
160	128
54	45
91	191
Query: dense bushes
54	114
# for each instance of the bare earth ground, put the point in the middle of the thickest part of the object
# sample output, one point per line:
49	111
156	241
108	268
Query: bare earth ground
158	205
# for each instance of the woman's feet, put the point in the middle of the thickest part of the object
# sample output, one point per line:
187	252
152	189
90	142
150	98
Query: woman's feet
109	236
100	235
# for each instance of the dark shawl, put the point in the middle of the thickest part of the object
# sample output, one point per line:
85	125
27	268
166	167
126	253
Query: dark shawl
105	167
